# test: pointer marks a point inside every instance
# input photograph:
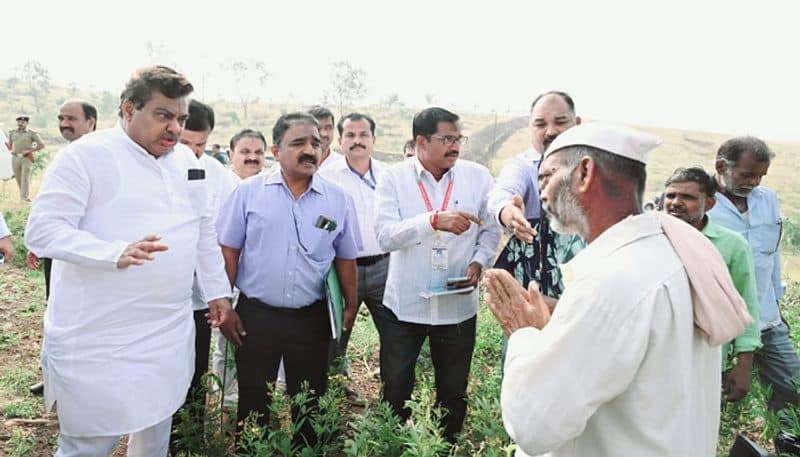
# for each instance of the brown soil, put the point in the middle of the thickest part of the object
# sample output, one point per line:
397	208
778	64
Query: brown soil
22	304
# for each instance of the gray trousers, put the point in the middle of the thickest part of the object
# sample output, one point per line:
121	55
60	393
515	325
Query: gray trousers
371	285
778	367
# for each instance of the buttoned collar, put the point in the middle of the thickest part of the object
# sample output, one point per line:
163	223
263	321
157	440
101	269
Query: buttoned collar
419	170
275	177
124	137
711	230
755	194
532	155
343	165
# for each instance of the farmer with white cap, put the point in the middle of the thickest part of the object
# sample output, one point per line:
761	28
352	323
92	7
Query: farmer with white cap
628	362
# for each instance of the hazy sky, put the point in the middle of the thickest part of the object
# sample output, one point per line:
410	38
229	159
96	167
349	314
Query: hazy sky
723	66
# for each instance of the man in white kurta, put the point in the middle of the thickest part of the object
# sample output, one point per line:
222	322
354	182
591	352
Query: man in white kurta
118	346
620	368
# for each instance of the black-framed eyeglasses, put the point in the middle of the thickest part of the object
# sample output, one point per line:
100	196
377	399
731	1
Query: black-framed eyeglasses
449	140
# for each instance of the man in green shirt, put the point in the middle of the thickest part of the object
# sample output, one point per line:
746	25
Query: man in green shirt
24	142
688	195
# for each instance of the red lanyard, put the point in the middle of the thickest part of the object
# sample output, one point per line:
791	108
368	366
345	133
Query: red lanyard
427	199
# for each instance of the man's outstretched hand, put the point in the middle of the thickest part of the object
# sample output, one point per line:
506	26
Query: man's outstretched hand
513	218
137	252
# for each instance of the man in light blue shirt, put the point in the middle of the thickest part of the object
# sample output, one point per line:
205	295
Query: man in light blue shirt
753	211
280	234
534	251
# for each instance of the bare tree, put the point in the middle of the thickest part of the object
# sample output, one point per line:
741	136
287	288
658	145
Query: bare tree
346	86
247	79
37	82
154	52
390	101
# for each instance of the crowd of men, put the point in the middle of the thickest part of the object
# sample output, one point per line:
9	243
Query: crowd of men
157	246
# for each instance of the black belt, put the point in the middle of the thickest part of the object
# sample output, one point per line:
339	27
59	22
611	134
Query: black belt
309	307
370	260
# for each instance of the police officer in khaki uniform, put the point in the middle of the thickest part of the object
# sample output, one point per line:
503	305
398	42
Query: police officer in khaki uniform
24	142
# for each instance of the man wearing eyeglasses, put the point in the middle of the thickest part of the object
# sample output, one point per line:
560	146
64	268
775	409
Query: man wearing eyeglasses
280	233
752	210
432	217
358	174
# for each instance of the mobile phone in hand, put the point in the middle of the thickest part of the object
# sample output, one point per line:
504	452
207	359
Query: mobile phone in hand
454	281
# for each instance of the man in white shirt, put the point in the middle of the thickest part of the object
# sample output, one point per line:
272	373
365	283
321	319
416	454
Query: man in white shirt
358	175
620	368
248	148
76	118
431	203
195	135
247	154
326	121
118	347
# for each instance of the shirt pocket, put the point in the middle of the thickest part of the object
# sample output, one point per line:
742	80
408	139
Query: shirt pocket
198	197
766	238
471	205
320	247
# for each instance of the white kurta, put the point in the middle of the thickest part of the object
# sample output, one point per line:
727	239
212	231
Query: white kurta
619	370
220	185
118	349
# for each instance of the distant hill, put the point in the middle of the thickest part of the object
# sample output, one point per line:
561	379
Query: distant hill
691	148
489	143
393	121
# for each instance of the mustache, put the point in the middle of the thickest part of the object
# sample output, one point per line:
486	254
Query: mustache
169	137
63	129
452	153
307	158
253	161
357	145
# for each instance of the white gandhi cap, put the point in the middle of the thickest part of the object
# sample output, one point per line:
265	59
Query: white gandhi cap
617	139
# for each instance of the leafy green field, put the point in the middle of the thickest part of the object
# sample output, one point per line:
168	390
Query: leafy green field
353	431
26	431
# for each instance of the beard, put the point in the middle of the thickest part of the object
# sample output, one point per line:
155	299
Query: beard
565	213
730	186
690	218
